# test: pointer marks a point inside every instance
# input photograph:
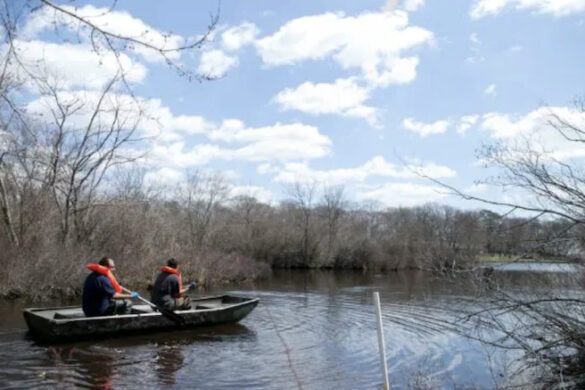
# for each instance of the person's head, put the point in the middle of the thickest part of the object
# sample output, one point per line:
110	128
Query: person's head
173	263
107	262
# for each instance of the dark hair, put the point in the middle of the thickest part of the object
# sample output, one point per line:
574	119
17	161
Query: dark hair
173	263
105	261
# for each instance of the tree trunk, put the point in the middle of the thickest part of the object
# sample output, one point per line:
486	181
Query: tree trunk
6	216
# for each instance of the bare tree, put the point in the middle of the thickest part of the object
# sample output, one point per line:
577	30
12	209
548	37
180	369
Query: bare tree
333	204
548	330
202	194
250	215
105	38
59	141
57	151
303	197
80	156
5	206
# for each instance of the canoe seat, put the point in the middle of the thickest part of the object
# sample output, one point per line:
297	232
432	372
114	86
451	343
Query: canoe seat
204	307
64	316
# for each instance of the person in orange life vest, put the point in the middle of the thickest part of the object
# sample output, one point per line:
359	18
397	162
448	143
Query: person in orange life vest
102	295
168	290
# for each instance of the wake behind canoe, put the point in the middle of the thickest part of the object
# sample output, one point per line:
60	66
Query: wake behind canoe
69	323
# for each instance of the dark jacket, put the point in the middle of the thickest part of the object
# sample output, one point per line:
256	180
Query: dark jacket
165	290
97	294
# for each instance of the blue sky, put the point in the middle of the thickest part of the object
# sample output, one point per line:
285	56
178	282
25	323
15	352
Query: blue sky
352	93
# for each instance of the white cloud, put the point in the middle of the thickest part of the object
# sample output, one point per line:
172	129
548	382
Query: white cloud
475	48
474	40
234	38
432	170
557	8
215	63
167	132
265	168
175	178
413	5
235	142
117	22
514	129
474	59
490	90
466	122
153	117
323	98
425	129
81	106
343	97
390	5
461	124
179	156
476	189
373	42
259	193
273	143
165	177
506	126
483	8
376	167
403	194
160	122
73	66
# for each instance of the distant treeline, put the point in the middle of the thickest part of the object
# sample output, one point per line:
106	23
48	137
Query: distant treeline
220	239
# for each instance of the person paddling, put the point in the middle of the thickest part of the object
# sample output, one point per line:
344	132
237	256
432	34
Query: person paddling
102	295
168	290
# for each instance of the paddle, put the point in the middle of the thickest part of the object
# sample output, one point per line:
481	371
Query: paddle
171	315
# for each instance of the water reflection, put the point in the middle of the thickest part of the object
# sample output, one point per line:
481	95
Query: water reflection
169	359
83	367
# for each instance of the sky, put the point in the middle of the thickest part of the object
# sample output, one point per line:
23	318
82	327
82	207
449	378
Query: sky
363	94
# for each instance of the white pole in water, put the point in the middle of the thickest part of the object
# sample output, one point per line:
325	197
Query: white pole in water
381	340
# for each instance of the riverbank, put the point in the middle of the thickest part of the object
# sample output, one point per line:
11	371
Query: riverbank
60	280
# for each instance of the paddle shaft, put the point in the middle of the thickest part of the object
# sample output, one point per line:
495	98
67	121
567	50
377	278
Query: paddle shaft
140	297
165	312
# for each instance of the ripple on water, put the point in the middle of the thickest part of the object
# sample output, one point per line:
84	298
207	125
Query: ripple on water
322	337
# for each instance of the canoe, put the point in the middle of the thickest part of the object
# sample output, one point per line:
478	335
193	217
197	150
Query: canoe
60	324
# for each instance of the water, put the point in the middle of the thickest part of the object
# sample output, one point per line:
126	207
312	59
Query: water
312	330
523	266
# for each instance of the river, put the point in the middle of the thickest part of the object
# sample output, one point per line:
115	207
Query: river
311	330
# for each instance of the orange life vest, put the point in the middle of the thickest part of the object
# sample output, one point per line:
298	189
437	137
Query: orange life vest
173	271
100	269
